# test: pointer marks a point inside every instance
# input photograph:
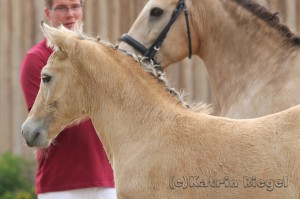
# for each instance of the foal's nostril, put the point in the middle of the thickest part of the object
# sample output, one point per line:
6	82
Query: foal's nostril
32	142
36	136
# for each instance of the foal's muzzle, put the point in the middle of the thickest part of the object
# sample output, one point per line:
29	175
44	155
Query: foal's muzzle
35	134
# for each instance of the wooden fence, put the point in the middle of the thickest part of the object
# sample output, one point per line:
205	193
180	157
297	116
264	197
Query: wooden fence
19	22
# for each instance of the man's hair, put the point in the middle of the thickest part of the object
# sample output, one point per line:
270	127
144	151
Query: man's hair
48	3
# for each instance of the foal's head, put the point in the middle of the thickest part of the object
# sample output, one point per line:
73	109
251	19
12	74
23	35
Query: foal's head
56	97
151	22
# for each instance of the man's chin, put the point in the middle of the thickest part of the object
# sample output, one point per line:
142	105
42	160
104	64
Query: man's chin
69	26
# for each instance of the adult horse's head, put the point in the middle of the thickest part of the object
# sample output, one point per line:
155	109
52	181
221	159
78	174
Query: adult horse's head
42	124
164	29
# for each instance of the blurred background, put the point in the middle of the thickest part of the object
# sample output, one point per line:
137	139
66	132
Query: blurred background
19	31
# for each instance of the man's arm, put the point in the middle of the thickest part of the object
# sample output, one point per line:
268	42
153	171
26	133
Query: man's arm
30	77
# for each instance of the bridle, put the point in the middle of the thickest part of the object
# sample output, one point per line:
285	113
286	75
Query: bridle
151	51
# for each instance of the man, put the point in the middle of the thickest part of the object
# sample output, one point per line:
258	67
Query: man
75	165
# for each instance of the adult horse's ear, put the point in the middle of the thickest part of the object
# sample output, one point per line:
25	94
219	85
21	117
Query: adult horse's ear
57	38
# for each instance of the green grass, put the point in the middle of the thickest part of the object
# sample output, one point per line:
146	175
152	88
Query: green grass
16	177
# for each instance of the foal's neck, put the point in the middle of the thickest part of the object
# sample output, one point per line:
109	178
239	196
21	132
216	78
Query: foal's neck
243	55
129	105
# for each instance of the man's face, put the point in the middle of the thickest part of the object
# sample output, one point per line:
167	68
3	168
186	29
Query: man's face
65	12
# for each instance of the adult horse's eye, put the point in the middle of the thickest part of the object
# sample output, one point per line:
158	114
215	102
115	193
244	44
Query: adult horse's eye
156	12
46	78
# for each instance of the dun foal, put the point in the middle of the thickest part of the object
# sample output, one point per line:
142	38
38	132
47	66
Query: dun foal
158	148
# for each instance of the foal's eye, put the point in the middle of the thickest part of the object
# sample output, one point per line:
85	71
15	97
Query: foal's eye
46	78
156	12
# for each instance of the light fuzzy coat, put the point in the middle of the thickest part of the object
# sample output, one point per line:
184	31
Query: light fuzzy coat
156	146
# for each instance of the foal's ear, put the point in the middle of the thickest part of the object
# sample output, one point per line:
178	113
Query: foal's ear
58	38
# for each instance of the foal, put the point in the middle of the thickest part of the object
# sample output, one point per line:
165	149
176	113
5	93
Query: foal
158	148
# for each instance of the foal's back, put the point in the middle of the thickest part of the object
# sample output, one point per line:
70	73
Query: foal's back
203	156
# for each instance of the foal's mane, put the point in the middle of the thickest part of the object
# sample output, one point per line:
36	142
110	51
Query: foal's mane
150	67
270	18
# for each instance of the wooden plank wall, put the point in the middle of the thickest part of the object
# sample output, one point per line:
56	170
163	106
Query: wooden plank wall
19	22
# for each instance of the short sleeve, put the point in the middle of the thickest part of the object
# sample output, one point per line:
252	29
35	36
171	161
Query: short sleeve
30	76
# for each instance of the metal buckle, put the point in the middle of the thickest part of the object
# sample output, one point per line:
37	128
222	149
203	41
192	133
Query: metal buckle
156	49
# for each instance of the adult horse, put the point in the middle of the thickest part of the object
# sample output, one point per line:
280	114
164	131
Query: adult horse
253	61
157	147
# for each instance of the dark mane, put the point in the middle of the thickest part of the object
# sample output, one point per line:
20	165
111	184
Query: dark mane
270	18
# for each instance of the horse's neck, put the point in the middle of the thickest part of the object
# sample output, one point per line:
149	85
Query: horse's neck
243	55
124	111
